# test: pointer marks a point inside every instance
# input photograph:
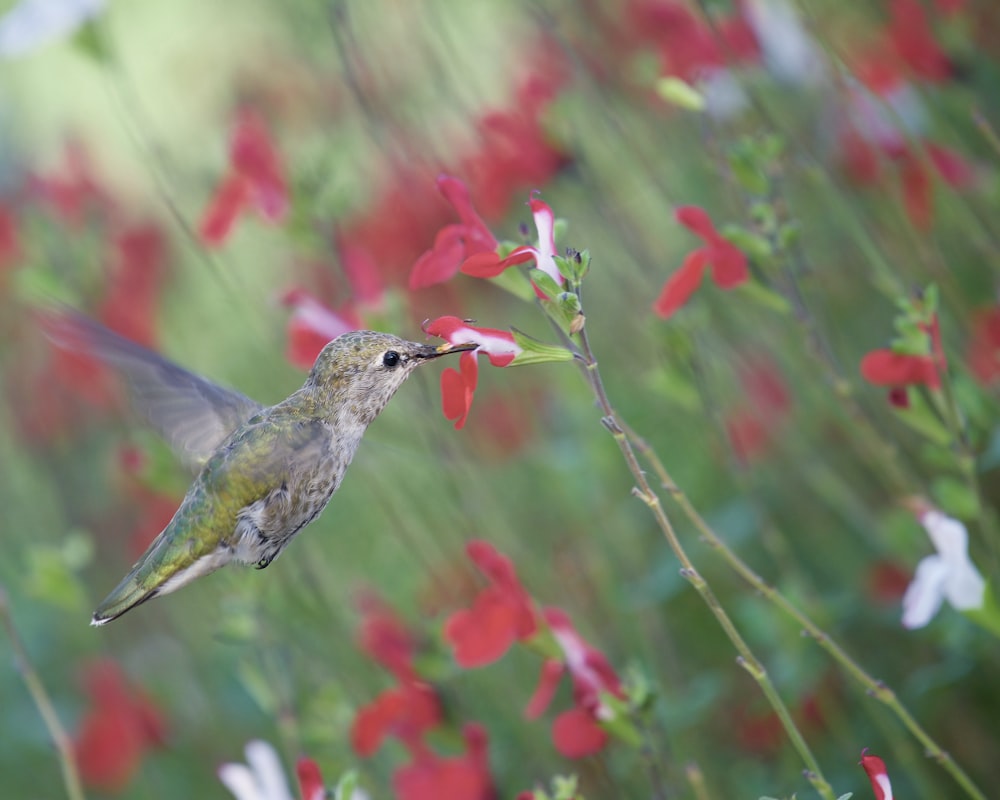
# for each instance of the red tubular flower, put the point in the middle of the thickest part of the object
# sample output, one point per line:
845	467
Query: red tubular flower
431	777
576	733
310	779
256	179
116	731
454	243
135	281
226	205
913	41
877	774
406	712
489	264
459	386
983	351
10	243
385	638
727	262
253	155
500	615
889	368
312	326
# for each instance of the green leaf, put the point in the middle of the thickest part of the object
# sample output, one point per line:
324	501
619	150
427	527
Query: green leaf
536	352
765	216
757	247
680	93
545	282
789	234
954	497
346	786
922	419
988	615
512	280
765	296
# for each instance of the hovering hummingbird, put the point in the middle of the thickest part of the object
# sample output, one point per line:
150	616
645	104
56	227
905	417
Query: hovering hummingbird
264	472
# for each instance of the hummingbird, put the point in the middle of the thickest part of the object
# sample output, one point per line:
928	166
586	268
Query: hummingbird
263	472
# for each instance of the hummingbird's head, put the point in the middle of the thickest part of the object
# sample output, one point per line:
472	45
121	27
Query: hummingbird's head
359	371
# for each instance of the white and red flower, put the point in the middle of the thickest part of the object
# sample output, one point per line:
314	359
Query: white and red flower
489	264
877	774
459	386
948	575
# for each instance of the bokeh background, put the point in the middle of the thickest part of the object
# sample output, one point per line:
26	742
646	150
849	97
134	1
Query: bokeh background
850	147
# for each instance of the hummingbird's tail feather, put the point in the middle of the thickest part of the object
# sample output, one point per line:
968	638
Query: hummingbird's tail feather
126	596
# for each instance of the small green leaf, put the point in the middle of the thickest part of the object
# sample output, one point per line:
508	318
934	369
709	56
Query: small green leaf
346	786
757	247
764	216
680	93
545	282
766	297
955	498
789	235
922	419
536	352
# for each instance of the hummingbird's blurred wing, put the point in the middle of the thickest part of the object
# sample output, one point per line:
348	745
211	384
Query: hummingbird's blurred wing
191	413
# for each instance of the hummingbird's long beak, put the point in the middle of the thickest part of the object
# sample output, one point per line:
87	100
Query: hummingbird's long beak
429	351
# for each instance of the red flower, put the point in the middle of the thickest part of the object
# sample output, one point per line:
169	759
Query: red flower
459	386
385	638
116	731
10	243
310	779
312	326
135	281
886	582
406	712
73	192
750	427
431	777
983	352
489	264
576	733
514	151
889	368
500	615
877	774
454	243
911	38
256	179
728	264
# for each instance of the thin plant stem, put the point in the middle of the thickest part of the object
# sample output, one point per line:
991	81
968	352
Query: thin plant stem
645	492
42	701
696	779
874	687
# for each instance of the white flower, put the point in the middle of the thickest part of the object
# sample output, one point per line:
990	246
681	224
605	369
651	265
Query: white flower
947	575
261	778
789	52
32	24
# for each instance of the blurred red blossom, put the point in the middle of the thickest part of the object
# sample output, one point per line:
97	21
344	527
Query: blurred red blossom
405	712
514	151
501	614
384	637
576	733
135	282
874	767
312	326
116	731
10	240
465	777
727	262
983	351
454	243
886	582
488	264
71	190
900	370
766	402
459	386
256	179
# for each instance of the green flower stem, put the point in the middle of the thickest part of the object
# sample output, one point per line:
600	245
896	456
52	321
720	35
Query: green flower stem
62	742
876	688
645	493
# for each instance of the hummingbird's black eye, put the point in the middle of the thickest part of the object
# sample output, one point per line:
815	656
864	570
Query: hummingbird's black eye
391	359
